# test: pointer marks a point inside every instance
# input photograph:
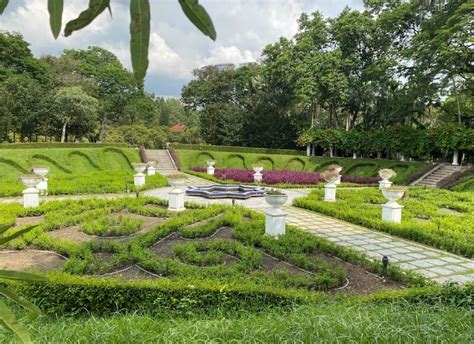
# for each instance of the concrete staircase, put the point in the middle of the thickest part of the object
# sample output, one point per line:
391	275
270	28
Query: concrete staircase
438	173
164	162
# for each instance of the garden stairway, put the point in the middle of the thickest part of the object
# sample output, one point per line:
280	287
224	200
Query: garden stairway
438	173
164	162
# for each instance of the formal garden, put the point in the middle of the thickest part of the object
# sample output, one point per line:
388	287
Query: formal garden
316	188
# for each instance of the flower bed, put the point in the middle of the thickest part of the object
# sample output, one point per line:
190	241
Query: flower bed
280	176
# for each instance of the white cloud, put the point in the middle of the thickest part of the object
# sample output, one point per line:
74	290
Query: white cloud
244	27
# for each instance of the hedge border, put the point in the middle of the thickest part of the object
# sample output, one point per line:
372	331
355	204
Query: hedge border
59	145
236	149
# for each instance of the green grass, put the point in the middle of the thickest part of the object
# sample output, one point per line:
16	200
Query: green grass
352	167
73	170
440	218
466	183
112	226
397	322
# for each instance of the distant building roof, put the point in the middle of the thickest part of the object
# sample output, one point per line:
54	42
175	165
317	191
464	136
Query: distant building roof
178	128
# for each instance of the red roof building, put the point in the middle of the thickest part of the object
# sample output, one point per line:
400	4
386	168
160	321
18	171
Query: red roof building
178	128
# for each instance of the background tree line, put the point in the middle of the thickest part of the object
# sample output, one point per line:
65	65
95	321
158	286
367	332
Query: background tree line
395	64
80	96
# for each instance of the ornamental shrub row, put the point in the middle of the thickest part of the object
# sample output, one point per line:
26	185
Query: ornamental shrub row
238	149
416	143
42	145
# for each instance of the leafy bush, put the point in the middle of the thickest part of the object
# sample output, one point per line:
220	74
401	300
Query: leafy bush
112	226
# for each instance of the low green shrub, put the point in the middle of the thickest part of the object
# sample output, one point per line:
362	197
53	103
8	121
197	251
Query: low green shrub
112	226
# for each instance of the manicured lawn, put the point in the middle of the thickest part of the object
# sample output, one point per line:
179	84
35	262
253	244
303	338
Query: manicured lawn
73	170
395	322
352	167
435	217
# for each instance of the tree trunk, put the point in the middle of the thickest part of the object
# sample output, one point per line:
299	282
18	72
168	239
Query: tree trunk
63	131
103	126
458	103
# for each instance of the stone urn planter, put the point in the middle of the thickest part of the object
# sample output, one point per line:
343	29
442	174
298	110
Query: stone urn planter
257	177
275	218
139	177
386	174
176	195
210	167
151	168
41	171
31	193
337	169
331	177
392	211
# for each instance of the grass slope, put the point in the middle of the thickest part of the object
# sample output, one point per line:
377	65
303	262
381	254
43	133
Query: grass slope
396	322
352	167
72	170
440	218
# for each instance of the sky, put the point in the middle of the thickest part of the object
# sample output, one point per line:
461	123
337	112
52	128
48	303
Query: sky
244	28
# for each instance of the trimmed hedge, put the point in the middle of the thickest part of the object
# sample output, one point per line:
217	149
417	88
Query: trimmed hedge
39	145
238	149
66	294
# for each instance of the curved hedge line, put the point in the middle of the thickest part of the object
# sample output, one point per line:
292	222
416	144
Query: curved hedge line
196	158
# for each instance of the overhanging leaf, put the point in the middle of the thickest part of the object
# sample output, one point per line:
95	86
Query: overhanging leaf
139	36
19	300
55	9
8	319
86	17
21	276
3	5
4	240
198	15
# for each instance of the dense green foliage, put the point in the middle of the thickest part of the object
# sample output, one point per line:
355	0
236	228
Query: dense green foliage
73	171
419	144
399	63
352	167
439	218
437	318
112	226
80	96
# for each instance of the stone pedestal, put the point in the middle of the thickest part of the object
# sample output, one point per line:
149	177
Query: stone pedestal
385	183
176	200
392	212
210	170
151	171
31	198
43	186
257	177
330	192
275	222
139	179
455	158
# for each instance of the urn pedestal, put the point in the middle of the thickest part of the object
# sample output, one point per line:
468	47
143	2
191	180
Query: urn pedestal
151	170
392	212
176	195
330	192
275	218
139	179
31	198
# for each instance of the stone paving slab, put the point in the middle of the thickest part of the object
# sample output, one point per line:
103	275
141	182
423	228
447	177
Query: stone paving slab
435	264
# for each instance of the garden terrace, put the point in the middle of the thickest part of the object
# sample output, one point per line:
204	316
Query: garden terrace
216	245
189	159
439	218
73	170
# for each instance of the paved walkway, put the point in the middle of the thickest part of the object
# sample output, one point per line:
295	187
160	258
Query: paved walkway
435	264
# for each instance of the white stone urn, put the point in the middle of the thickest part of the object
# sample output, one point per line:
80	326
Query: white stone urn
176	195
275	218
139	167
139	177
392	211
337	169
151	168
331	177
276	201
257	176
386	174
41	171
210	167
31	193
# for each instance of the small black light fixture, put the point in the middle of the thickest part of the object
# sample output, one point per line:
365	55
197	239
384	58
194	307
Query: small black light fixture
233	202
384	266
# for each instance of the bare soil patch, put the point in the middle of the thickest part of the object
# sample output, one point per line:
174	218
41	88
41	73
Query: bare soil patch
361	282
24	260
29	220
72	233
197	224
448	211
133	273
